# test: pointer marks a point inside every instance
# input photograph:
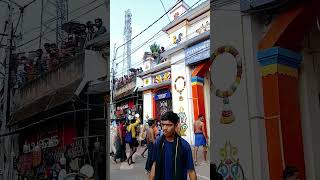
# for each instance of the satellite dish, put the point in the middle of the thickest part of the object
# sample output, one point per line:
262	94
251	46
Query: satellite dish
62	174
87	170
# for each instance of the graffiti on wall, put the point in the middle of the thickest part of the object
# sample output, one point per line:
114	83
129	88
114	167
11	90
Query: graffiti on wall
227	116
230	167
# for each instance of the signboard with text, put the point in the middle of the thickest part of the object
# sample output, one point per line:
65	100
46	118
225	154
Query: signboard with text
162	95
198	52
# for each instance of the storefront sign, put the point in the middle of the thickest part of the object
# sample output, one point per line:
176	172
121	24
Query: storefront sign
129	104
198	52
162	95
122	107
42	143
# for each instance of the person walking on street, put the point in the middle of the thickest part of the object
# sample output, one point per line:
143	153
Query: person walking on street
200	139
122	132
172	155
117	142
131	137
150	143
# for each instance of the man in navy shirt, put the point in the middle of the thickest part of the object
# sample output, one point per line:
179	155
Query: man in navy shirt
172	155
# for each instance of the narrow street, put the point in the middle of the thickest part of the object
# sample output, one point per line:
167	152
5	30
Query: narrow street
137	172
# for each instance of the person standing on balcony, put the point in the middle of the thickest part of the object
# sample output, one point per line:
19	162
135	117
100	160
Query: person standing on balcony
46	56
40	63
90	30
21	72
200	138
54	55
100	28
30	69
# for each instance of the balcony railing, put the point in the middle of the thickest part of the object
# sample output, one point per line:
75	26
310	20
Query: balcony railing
65	74
126	88
68	78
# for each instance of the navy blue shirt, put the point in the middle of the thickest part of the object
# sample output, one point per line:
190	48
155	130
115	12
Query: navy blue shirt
168	156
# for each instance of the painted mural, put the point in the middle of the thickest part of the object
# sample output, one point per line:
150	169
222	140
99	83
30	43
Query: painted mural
162	77
230	167
183	121
227	116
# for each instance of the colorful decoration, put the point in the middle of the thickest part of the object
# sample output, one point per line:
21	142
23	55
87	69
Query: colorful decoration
179	86
183	121
230	167
146	81
177	40
204	28
227	116
162	77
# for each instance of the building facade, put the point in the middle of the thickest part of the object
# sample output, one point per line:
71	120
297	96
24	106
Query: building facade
176	83
57	119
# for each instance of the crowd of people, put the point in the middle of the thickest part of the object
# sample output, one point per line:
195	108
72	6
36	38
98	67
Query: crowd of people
122	81
156	135
169	155
29	66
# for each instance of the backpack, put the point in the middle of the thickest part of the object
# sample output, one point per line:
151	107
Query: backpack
128	137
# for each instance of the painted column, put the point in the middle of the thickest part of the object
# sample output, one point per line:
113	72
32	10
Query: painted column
279	69
198	98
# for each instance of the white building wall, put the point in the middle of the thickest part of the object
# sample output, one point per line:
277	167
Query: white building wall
147	105
247	133
178	68
207	94
309	87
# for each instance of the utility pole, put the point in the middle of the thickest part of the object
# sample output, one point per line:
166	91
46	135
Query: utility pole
5	143
112	80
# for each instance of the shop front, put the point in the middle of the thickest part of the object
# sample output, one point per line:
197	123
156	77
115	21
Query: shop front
50	153
163	102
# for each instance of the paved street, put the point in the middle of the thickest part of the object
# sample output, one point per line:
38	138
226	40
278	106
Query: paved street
137	172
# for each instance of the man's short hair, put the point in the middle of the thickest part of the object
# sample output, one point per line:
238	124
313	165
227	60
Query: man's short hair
98	19
289	171
170	116
151	122
200	116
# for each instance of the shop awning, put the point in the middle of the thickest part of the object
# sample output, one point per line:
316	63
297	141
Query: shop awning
54	99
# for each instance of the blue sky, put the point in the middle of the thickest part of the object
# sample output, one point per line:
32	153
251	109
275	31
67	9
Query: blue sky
144	12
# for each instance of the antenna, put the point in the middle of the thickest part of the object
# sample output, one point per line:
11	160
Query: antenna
127	37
